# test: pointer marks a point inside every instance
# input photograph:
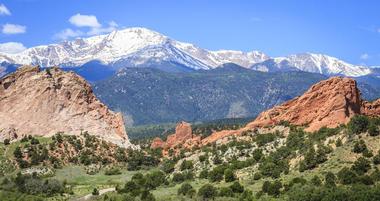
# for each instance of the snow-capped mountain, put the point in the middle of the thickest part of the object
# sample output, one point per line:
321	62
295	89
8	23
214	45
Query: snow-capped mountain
132	46
315	63
141	47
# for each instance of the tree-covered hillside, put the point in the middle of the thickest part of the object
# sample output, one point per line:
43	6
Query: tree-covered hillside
150	96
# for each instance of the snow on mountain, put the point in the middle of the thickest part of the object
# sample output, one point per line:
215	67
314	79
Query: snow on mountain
216	58
141	47
314	63
139	44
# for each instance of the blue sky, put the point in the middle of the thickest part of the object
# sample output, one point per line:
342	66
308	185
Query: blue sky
346	29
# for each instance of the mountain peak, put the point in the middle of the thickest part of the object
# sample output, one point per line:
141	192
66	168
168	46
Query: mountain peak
142	47
314	63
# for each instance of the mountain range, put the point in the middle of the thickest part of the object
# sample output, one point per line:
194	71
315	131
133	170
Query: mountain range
141	47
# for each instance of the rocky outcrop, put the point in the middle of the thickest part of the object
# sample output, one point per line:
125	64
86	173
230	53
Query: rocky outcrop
371	108
42	103
157	143
183	137
328	103
182	133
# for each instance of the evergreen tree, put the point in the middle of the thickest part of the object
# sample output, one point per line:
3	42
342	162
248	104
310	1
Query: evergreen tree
229	175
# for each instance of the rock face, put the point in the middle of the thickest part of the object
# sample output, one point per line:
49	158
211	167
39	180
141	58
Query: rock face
183	136
42	103
157	143
182	133
371	108
328	103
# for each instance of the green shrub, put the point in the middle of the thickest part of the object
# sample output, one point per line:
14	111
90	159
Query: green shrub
132	188
264	139
186	165
226	192
113	171
203	174
361	166
338	142
147	196
330	179
257	154
346	176
359	147
185	189
168	166
229	175
272	188
247	195
358	124
316	181
376	159
208	191
216	174
178	178
95	191
236	187
373	129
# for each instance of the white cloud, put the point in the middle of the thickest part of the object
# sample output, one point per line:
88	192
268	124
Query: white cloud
13	29
4	10
12	47
364	56
90	21
84	20
68	33
101	30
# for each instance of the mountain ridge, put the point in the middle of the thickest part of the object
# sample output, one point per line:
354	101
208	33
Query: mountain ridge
141	47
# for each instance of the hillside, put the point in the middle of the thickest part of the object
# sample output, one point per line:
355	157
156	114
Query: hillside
273	163
150	96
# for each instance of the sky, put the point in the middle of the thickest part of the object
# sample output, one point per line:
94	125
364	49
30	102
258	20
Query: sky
346	29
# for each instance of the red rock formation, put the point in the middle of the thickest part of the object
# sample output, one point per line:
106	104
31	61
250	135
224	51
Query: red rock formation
182	137
328	103
182	133
42	103
371	108
157	143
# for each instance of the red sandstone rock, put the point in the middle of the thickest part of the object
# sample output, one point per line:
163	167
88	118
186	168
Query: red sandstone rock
328	103
182	137
42	103
157	143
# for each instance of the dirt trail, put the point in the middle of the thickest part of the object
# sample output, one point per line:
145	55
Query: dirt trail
89	196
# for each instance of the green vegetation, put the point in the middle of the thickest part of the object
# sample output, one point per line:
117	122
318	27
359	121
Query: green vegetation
198	96
291	166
